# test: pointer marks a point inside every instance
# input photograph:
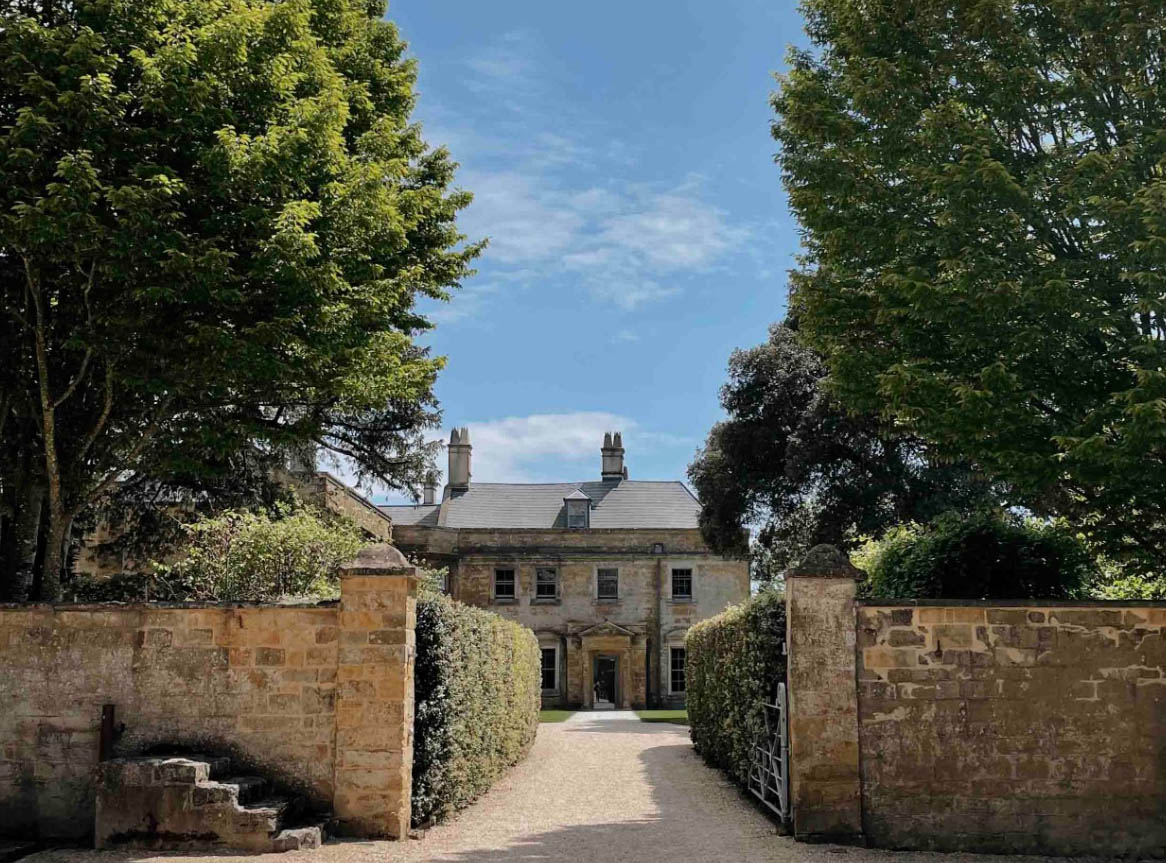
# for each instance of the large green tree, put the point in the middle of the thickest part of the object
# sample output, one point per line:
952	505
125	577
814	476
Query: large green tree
794	465
982	190
215	219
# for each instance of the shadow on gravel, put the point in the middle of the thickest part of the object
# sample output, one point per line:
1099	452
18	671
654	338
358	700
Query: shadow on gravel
690	825
584	724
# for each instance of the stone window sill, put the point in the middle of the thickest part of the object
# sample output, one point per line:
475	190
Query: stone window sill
546	600
608	601
504	600
682	600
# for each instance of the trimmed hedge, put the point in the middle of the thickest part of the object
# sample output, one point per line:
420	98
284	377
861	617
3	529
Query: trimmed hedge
734	662
477	696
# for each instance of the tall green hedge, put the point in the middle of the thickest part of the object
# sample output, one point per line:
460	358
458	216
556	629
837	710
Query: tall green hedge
477	695
734	662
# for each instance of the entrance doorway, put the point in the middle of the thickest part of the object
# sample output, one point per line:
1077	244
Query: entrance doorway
606	675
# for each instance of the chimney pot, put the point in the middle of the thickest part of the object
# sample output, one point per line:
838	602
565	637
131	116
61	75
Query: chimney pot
429	490
460	451
612	453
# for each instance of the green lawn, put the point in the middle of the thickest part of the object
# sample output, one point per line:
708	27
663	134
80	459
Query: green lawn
676	717
553	715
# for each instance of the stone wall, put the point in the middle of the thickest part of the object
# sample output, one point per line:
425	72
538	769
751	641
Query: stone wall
1010	728
331	495
319	698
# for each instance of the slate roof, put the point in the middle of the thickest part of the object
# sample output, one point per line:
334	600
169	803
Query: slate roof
622	504
419	514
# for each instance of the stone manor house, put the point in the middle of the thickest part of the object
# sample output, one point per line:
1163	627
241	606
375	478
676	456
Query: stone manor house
609	573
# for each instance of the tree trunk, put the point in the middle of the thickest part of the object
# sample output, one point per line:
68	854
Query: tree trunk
27	521
59	519
56	534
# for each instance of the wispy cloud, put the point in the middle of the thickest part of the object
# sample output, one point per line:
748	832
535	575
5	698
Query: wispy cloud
551	200
525	224
625	246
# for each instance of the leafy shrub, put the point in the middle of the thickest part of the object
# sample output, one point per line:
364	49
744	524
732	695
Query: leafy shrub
733	665
129	587
477	696
987	555
1133	587
243	556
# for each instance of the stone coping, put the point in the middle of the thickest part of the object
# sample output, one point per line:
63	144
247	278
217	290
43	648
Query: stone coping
113	605
1010	603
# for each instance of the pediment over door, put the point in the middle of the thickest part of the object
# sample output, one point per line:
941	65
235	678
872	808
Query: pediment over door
606	629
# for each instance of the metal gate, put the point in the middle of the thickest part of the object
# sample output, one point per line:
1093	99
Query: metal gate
769	777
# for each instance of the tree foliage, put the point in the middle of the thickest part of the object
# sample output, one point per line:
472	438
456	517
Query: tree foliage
982	192
256	556
791	461
216	218
988	555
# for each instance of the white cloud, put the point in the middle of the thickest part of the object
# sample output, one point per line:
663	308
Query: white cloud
510	449
672	231
554	447
626	248
537	448
626	336
629	291
547	191
525	225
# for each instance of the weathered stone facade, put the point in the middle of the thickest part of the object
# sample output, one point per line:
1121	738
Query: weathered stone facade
639	629
1022	727
317	697
663	579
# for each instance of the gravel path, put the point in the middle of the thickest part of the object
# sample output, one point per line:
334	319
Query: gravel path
597	788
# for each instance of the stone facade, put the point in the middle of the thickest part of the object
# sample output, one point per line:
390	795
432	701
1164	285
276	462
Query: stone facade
639	629
317	697
620	642
1022	727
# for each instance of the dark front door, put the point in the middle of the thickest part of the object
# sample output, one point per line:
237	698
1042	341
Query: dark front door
605	677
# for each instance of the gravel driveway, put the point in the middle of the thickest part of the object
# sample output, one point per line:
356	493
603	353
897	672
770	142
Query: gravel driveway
598	787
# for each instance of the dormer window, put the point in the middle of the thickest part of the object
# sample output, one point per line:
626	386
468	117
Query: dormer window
578	507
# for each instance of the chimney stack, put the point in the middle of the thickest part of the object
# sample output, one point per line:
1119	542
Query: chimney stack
459	460
429	490
612	452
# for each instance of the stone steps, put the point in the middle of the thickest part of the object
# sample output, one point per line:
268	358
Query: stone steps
192	802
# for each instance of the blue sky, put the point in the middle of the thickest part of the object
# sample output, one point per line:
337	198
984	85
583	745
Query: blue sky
620	158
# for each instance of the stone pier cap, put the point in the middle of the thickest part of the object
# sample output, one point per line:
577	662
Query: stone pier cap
379	559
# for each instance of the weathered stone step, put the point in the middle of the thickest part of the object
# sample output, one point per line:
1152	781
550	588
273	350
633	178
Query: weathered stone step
251	788
174	769
189	802
299	838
